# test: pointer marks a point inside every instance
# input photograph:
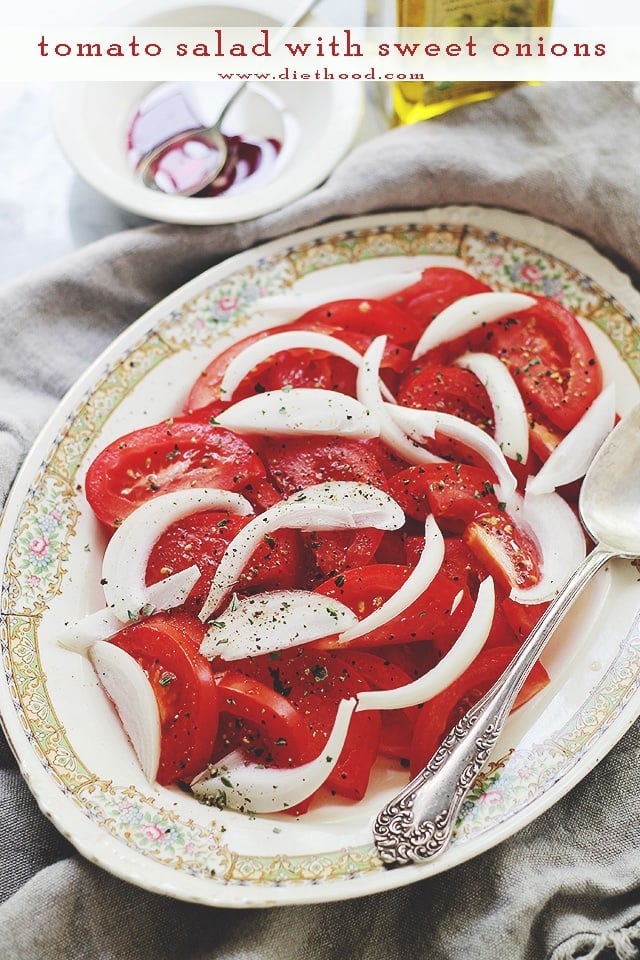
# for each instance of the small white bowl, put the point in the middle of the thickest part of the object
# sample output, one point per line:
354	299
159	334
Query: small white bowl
320	120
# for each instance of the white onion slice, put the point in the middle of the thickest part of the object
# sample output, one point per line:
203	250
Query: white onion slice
301	411
276	620
171	592
253	788
560	539
125	560
368	393
467	314
261	350
422	425
414	586
368	505
283	308
127	686
453	664
327	506
509	415
572	457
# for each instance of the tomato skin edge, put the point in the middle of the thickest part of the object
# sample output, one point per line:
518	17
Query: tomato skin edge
166	647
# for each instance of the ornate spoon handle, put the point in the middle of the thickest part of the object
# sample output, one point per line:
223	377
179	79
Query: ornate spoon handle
417	824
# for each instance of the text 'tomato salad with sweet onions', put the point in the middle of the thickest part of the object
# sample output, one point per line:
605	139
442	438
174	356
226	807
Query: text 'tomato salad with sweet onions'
340	543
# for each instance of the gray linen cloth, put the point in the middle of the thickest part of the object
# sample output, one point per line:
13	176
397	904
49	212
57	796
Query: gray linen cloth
568	885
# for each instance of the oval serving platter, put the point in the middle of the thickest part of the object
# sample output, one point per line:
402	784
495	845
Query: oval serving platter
68	741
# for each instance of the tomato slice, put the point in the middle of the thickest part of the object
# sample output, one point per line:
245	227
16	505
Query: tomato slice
454	493
166	647
430	617
297	462
504	549
383	673
299	367
202	538
439	715
551	359
437	288
374	317
168	456
522	617
448	390
332	551
264	724
314	682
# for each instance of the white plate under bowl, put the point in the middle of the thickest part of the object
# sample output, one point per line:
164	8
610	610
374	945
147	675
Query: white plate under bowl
70	745
92	120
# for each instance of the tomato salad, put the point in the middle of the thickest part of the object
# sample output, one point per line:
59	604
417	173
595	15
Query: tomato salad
341	541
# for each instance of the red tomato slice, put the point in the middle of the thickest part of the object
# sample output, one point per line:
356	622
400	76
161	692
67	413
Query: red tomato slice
551	359
297	462
299	367
453	493
430	618
382	673
206	389
166	647
505	550
168	456
202	538
293	368
543	438
332	551
447	390
392	549
374	317
438	716
261	722
315	682
436	289
522	617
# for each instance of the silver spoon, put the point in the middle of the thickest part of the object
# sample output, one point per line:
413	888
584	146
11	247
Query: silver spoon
418	823
212	136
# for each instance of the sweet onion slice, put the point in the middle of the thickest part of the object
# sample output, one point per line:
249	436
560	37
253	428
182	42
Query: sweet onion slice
276	620
572	457
127	686
368	393
326	506
125	560
414	586
301	411
261	350
467	314
509	415
422	425
254	788
453	664
369	506
171	592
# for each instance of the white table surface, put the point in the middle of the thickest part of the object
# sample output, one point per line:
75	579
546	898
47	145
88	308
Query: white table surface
47	211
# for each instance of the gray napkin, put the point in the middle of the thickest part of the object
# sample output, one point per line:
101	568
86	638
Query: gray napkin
568	885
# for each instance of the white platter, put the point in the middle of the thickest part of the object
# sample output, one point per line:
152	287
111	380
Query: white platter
69	744
319	121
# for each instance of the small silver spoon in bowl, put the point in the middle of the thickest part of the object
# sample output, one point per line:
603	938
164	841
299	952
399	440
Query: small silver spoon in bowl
212	136
418	823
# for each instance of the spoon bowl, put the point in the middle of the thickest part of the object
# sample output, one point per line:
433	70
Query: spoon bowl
610	493
195	169
199	170
418	823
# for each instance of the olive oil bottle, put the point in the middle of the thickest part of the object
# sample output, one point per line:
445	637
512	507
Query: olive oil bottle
415	100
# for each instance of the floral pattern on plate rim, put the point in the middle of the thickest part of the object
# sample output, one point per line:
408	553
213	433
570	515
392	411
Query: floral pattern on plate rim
40	544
